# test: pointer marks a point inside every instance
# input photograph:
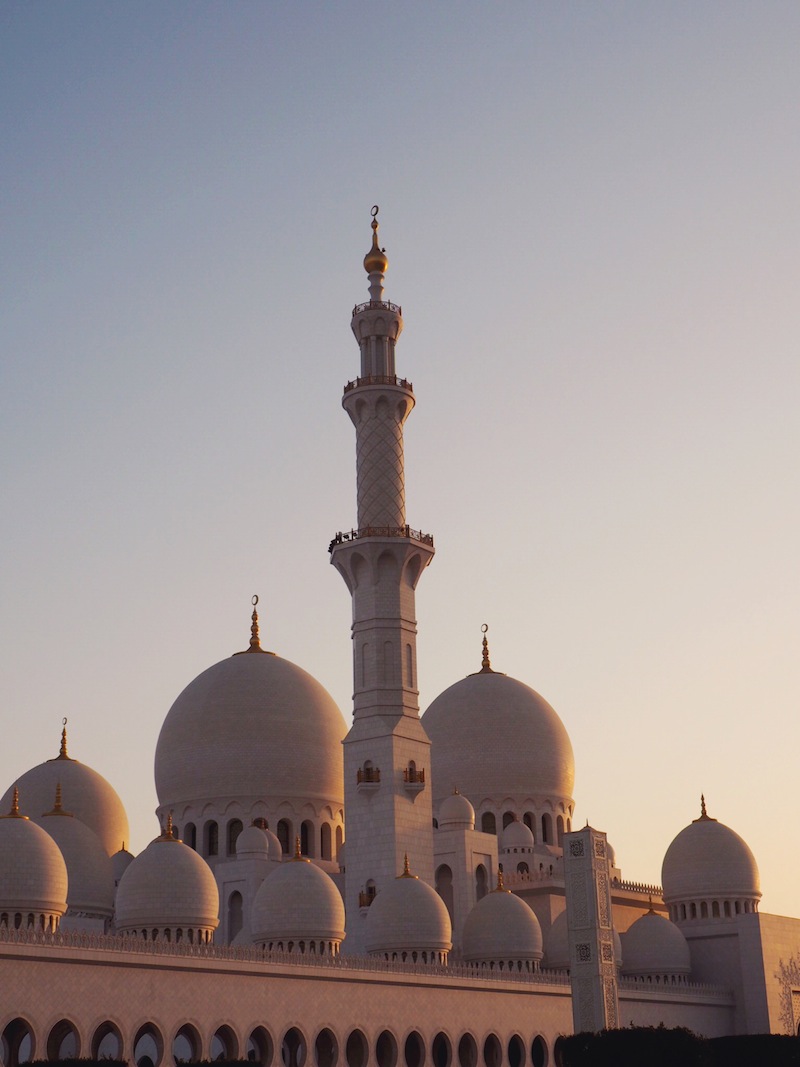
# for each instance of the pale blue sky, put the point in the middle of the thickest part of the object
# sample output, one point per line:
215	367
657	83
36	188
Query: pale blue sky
592	220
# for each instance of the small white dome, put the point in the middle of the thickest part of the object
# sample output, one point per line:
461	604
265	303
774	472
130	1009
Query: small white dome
85	793
517	835
707	859
655	946
121	861
297	902
408	916
90	871
456	813
275	847
33	875
167	887
501	928
252	844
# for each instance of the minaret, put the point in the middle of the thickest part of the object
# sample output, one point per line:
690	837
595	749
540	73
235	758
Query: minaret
387	752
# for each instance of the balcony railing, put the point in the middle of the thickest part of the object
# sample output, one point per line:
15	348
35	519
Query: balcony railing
380	379
378	305
365	899
381	531
414	777
368	775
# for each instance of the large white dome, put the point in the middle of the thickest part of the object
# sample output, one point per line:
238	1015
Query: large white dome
84	792
708	860
251	726
493	737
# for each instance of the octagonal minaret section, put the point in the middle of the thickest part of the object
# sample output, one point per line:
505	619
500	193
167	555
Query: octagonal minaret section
388	812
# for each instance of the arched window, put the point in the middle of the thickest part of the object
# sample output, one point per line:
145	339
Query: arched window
467	1051
547	829
703	910
106	1043
325	841
224	1045
147	1047
307	838
259	1048
560	829
235	915
516	1051
386	1049
186	1045
356	1049
522	868
492	1051
530	821
234	829
211	834
539	1052
508	817
715	909
339	840
293	1048
284	833
441	1052
414	1050
63	1044
326	1050
190	835
481	882
488	824
444	887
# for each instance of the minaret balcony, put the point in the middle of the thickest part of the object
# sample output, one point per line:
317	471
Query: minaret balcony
368	779
378	305
379	379
413	780
381	531
365	899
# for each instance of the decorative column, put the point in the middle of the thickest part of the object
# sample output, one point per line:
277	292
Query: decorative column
593	973
388	810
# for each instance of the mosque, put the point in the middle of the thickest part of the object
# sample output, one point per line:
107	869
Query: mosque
403	892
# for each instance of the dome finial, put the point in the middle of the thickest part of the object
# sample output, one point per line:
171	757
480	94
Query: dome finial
298	856
406	868
500	887
704	816
255	640
486	665
62	754
168	833
375	261
57	806
15	812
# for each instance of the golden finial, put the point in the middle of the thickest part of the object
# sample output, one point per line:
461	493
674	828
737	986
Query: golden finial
57	807
62	754
486	665
15	812
168	832
500	888
407	868
375	260
298	856
652	910
255	641
704	816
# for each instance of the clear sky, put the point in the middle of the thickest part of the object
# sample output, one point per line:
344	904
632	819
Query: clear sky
591	214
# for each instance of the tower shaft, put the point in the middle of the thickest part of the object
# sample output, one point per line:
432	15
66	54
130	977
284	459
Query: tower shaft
387	753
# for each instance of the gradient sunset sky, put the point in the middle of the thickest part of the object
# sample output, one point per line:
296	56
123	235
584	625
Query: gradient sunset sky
592	222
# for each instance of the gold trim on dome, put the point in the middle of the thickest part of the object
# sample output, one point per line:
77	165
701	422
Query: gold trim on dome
255	640
15	812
